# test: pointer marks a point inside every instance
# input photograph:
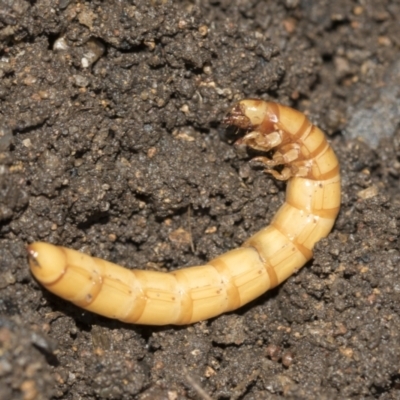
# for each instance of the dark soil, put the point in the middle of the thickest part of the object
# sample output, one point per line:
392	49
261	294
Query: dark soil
111	142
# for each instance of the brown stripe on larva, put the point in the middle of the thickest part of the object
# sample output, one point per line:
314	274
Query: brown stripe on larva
322	148
273	277
330	174
256	245
284	231
275	109
307	253
186	300
96	281
329	213
231	289
234	278
269	125
290	201
302	131
56	281
138	306
311	130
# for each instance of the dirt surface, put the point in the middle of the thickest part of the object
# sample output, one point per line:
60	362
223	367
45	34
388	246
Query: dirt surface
111	142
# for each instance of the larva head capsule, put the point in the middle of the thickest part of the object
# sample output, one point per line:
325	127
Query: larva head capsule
249	114
47	262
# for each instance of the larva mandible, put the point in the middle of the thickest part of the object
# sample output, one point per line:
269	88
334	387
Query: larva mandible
235	278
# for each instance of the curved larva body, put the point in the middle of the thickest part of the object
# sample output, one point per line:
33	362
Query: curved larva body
236	277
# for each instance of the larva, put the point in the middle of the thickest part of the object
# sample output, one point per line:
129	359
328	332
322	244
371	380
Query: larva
235	278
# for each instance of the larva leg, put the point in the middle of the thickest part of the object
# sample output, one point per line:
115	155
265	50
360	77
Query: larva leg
236	277
287	154
261	142
298	169
284	175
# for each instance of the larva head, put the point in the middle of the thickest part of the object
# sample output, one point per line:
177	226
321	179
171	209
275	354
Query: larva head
248	114
47	262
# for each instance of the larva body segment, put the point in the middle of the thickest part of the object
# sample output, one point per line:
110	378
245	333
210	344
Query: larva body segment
235	278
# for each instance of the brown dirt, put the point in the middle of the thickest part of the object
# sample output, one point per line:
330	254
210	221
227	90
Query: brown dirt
111	142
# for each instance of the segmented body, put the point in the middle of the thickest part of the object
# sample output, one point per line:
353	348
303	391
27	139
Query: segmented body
235	278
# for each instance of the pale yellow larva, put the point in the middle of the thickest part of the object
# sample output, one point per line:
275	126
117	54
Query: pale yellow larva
236	277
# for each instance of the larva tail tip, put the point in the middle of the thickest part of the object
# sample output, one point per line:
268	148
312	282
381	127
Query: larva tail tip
32	255
47	262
